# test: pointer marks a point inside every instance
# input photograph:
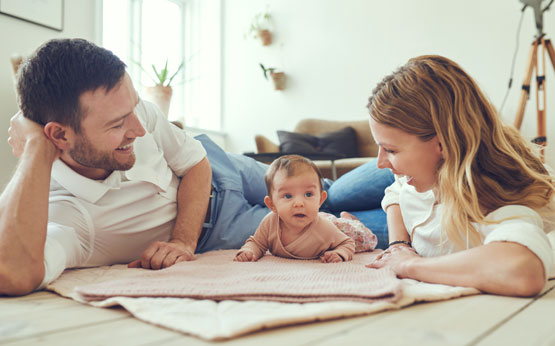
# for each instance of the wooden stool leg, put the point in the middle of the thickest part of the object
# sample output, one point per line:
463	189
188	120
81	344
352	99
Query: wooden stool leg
526	84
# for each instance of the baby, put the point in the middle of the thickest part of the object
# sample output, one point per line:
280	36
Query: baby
295	228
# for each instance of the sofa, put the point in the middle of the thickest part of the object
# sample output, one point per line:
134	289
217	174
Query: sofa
367	147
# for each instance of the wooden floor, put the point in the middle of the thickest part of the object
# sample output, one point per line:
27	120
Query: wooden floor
44	318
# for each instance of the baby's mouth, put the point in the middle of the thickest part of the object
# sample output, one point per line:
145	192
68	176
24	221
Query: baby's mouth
299	215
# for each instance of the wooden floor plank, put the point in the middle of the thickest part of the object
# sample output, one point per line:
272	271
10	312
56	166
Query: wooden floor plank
452	322
123	332
535	325
25	318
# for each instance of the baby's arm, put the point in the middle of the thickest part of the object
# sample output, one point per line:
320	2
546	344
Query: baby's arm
245	256
341	248
255	247
331	257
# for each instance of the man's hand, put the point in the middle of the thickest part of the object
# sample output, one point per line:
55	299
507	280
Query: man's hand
22	130
397	258
331	257
161	255
245	256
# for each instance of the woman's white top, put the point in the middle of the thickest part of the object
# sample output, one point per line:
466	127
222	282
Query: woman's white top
422	218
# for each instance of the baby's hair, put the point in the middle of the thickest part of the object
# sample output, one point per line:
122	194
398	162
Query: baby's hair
292	164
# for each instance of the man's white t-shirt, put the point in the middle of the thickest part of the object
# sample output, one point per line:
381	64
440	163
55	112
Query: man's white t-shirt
92	223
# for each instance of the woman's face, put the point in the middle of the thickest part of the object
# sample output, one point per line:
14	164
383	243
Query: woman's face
408	155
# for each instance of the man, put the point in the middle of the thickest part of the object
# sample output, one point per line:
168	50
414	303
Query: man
104	178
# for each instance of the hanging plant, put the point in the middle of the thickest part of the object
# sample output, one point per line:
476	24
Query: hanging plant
278	78
260	28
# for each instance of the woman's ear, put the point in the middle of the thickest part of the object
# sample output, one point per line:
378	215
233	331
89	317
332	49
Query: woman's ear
269	203
58	134
439	146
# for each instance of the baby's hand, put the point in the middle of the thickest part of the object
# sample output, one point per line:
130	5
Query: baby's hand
245	256
330	257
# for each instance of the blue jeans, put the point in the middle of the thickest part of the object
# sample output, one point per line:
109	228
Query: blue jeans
237	205
360	192
238	191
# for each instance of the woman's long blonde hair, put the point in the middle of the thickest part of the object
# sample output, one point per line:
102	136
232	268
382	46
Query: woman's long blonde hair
486	164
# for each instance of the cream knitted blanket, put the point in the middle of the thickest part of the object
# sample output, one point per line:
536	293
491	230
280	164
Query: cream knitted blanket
213	320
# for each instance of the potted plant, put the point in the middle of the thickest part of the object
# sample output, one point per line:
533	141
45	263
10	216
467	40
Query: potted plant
278	78
260	28
161	92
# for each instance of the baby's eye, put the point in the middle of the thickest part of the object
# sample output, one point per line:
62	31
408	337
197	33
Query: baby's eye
309	194
287	196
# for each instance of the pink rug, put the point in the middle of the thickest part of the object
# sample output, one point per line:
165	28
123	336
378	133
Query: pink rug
215	276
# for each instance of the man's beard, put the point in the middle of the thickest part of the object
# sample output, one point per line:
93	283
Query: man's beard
86	155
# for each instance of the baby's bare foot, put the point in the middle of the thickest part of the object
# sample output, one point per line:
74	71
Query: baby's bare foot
347	215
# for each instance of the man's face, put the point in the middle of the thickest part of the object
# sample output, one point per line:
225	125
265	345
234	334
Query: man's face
108	130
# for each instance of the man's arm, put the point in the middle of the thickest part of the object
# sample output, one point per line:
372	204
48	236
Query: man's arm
192	203
24	208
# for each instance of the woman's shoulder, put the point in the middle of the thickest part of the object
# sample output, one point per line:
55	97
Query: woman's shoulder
519	213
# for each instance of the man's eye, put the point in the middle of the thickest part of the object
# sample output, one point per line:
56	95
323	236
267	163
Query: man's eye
309	194
118	126
389	151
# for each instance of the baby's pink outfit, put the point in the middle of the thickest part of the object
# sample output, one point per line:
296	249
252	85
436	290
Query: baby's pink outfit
364	239
321	236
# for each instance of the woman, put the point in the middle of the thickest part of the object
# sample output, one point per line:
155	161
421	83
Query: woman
471	201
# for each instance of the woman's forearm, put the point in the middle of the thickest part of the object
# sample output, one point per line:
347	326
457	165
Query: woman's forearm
500	268
395	225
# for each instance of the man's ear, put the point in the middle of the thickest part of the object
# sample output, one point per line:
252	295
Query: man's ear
59	134
323	196
269	203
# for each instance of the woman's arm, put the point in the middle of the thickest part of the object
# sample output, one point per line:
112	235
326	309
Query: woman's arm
503	268
395	226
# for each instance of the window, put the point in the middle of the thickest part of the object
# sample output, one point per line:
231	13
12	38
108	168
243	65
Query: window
149	32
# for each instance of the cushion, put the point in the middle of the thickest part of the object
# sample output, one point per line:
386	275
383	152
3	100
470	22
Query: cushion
343	141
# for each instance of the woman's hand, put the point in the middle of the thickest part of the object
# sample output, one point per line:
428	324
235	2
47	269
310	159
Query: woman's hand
398	258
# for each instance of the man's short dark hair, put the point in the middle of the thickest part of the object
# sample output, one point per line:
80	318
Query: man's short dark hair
51	81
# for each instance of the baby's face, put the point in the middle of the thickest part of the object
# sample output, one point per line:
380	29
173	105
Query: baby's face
297	198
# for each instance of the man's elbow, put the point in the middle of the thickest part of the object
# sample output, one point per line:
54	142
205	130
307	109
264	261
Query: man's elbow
18	282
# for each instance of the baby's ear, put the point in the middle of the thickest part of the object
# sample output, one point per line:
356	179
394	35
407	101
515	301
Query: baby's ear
323	196
269	203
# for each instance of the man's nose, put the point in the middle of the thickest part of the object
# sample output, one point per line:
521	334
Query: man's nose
136	129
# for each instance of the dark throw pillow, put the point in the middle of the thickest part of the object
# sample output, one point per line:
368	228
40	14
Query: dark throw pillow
343	141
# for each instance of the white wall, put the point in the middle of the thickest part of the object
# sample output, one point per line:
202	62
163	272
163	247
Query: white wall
335	51
23	38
